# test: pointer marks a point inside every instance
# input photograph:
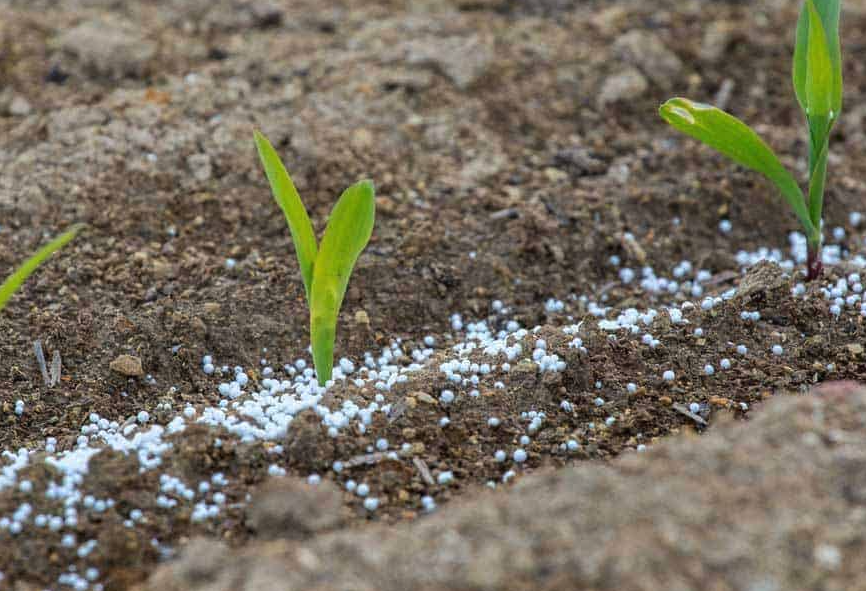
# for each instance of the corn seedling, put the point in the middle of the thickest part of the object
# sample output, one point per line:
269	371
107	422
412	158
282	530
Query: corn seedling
325	267
14	281
817	75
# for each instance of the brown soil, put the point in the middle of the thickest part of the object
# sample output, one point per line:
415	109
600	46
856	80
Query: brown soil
687	515
500	176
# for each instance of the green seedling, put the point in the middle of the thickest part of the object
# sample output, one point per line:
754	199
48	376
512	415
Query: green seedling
325	267
817	75
14	281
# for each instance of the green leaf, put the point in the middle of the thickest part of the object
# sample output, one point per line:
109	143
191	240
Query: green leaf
348	232
293	208
11	285
825	14
739	142
819	68
801	44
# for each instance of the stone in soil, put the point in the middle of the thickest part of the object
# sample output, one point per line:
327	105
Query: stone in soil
293	509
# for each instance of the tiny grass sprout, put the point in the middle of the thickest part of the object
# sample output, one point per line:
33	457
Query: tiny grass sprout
326	266
817	77
20	275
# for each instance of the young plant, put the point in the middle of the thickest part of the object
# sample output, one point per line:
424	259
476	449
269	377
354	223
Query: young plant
817	75
325	267
14	281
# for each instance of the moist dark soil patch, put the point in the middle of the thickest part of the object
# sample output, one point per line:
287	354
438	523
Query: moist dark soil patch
500	177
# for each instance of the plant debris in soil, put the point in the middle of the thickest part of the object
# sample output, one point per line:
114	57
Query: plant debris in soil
554	278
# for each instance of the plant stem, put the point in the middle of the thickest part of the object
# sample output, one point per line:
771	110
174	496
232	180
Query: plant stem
814	266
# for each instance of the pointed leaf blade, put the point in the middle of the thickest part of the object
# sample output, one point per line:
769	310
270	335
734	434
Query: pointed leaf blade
737	141
819	68
14	281
286	195
346	235
828	12
801	45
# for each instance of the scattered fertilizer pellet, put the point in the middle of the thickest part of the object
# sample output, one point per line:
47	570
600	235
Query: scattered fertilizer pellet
428	503
445	478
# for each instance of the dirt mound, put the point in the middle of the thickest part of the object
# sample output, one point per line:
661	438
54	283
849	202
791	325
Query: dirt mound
775	504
